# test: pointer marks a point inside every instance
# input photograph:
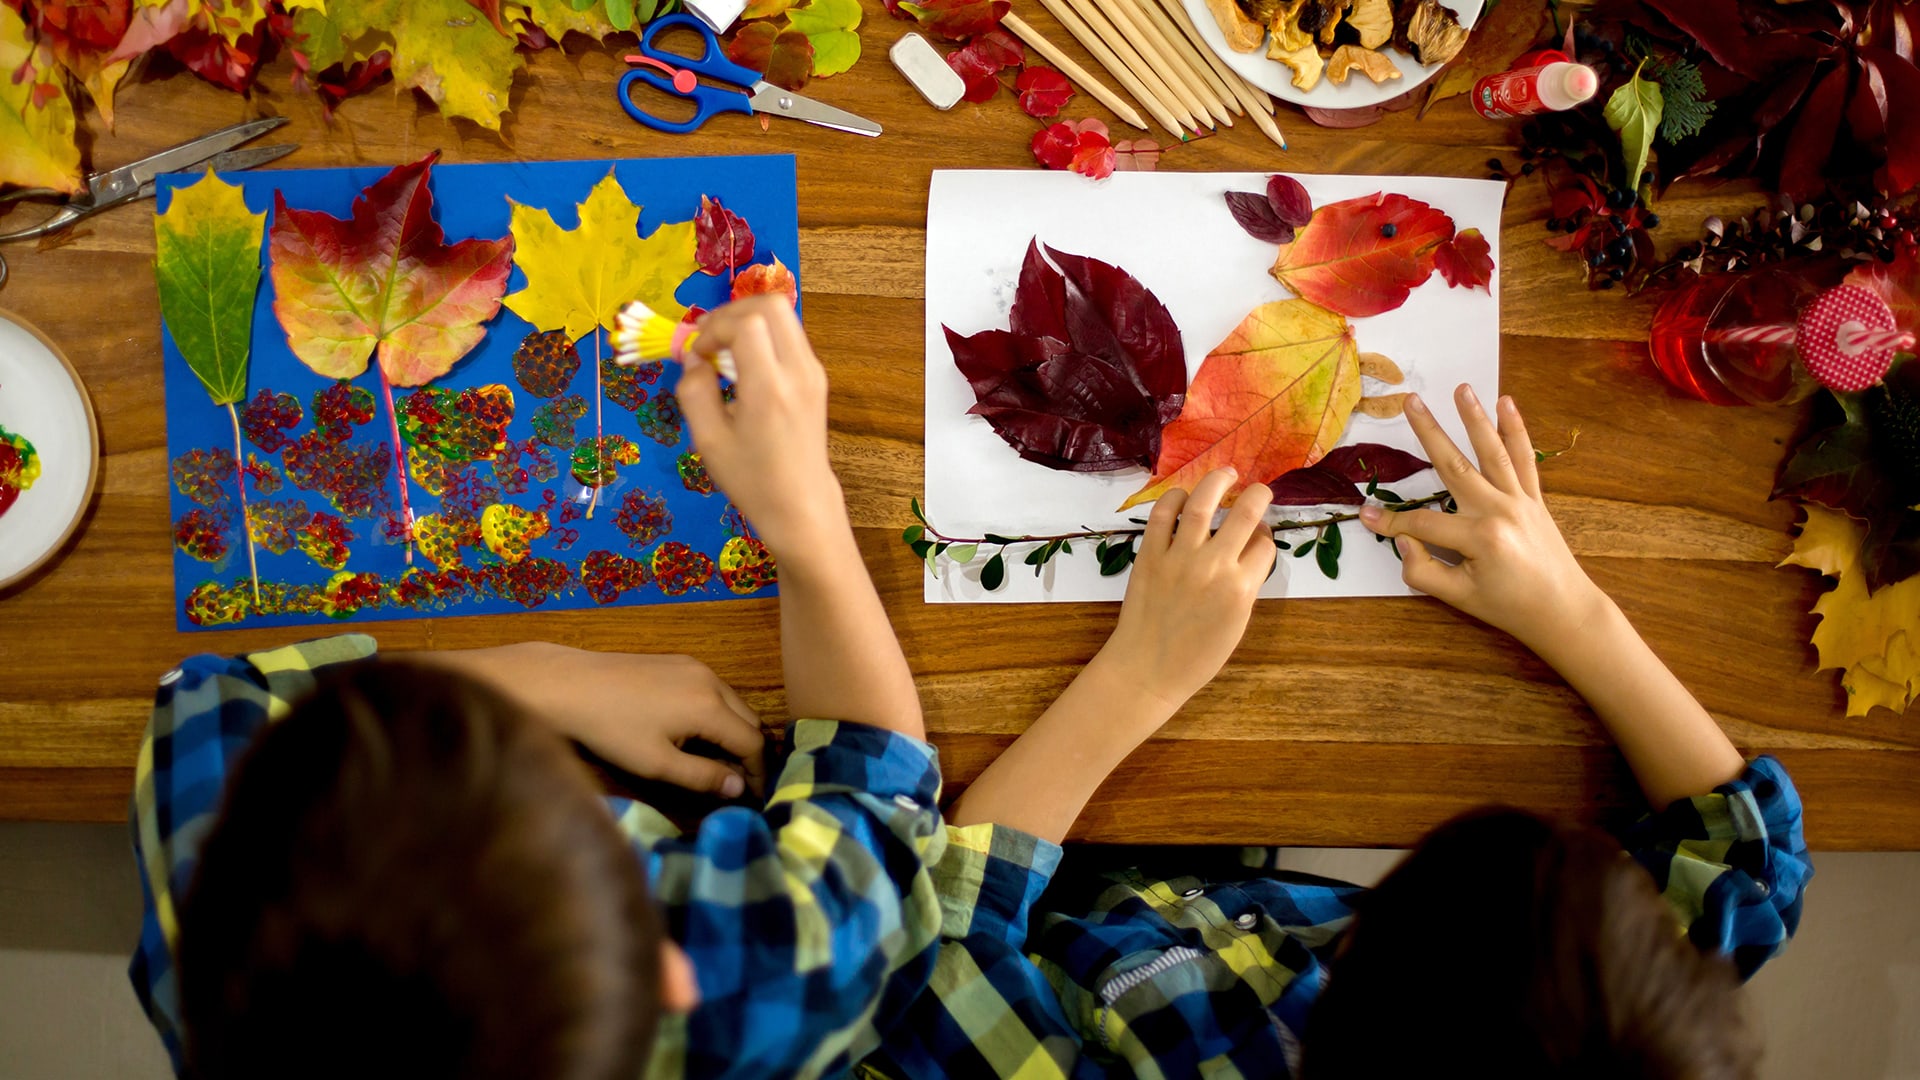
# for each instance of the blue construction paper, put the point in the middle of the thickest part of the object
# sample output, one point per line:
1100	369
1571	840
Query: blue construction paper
472	201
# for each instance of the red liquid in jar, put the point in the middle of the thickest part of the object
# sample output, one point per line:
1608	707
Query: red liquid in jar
1695	360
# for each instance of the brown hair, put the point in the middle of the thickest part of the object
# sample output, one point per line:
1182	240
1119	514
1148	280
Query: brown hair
1507	945
410	876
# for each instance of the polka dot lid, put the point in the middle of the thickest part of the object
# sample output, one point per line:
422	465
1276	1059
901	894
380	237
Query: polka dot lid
1847	338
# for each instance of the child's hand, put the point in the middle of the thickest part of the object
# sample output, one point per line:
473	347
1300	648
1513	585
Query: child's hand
636	711
1516	572
767	449
1192	593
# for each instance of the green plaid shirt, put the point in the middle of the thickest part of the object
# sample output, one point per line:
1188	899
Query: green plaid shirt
1120	973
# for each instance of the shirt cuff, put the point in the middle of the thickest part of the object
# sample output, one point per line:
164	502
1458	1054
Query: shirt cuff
989	878
290	671
840	757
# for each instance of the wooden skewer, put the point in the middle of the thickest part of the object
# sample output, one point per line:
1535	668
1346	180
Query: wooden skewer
1185	51
1073	71
1244	90
1192	93
1259	103
1128	76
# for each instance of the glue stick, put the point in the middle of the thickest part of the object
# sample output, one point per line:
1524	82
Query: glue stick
1523	91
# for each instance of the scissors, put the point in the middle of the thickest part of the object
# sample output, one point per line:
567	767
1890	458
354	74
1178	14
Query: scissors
115	187
744	91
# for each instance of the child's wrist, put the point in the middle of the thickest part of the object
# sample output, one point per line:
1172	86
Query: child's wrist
1145	698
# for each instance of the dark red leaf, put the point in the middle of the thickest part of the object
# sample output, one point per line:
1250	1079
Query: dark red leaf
1256	215
210	56
722	241
1290	202
1315	485
1043	92
1466	261
1001	48
958	20
1810	144
1581	194
1902	169
977	72
1365	462
784	57
1091	371
1053	145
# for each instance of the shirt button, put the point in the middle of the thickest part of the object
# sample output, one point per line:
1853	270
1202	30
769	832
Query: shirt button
1190	894
1247	921
905	802
170	677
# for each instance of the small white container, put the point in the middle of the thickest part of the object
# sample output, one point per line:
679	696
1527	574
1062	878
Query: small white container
927	70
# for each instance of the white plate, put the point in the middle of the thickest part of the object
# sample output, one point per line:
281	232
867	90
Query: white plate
1277	78
41	400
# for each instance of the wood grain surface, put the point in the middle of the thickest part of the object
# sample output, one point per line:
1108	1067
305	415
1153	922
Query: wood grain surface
1359	722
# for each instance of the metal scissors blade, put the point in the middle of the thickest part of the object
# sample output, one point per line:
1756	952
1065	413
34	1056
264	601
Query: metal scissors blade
768	98
129	181
236	160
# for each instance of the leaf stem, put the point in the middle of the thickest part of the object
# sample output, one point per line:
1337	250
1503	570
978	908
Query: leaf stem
599	443
399	455
246	516
1277	527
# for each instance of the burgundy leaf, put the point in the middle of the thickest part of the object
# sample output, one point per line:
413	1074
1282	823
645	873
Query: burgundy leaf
1290	202
1372	461
1091	370
1902	170
722	241
1315	485
1803	164
1001	48
1256	214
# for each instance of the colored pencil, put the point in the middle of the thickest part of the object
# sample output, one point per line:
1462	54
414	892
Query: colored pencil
1114	102
1158	53
1129	75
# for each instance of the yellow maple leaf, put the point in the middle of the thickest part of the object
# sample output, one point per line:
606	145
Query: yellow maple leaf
36	119
1869	636
557	17
445	48
577	279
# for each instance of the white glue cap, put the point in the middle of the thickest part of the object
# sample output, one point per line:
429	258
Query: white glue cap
1564	85
718	14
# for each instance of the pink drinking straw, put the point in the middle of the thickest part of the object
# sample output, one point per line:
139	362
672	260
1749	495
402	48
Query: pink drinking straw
1846	338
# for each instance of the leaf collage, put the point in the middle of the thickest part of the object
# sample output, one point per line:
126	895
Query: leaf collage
506	489
1090	375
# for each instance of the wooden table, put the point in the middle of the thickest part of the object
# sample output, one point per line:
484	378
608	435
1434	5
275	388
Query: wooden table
1360	722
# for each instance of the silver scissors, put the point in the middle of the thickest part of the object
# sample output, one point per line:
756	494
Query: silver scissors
116	187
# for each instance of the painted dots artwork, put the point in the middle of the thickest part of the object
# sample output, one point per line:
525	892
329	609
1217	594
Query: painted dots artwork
400	477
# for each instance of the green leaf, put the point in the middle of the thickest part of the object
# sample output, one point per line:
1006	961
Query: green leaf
1386	496
1117	558
1687	107
1100	551
1306	548
922	548
1037	556
581	5
1373	485
620	14
914	502
1634	111
996	538
207	265
994	574
913	534
963	553
1066	546
830	25
1328	554
1282	544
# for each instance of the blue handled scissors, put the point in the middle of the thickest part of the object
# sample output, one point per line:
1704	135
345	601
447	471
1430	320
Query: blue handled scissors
743	90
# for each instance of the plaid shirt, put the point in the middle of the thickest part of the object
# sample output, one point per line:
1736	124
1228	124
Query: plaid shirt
1121	974
811	925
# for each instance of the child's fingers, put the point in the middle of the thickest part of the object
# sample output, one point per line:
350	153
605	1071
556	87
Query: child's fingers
696	773
1196	518
1447	530
1456	472
1420	570
1495	463
743	331
1513	432
1257	555
700	402
1159	532
1244	519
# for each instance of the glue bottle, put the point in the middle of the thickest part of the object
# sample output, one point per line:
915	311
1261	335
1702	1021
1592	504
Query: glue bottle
1544	81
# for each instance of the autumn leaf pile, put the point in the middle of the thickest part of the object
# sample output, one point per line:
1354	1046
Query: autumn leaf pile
56	55
1090	375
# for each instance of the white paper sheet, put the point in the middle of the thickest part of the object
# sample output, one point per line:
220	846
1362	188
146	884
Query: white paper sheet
1174	233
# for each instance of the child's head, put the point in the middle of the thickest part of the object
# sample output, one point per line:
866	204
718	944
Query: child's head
1508	946
408	871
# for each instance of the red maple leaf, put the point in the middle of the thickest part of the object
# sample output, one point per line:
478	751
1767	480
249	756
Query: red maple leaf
1466	261
722	241
1043	92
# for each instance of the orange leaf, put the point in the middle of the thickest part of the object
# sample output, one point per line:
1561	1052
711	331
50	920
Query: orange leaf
1362	256
1274	396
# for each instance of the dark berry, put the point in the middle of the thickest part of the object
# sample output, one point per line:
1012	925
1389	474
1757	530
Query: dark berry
1494	163
1553	224
1653	221
1389	229
1597	259
1527	169
1620	198
1606	283
1617	273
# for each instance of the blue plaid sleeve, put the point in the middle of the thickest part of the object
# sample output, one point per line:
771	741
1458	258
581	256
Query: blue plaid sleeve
204	715
810	924
1732	864
987	1011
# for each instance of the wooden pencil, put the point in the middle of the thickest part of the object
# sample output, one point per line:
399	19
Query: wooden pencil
1192	93
1115	66
1099	91
1244	90
1185	50
1123	47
